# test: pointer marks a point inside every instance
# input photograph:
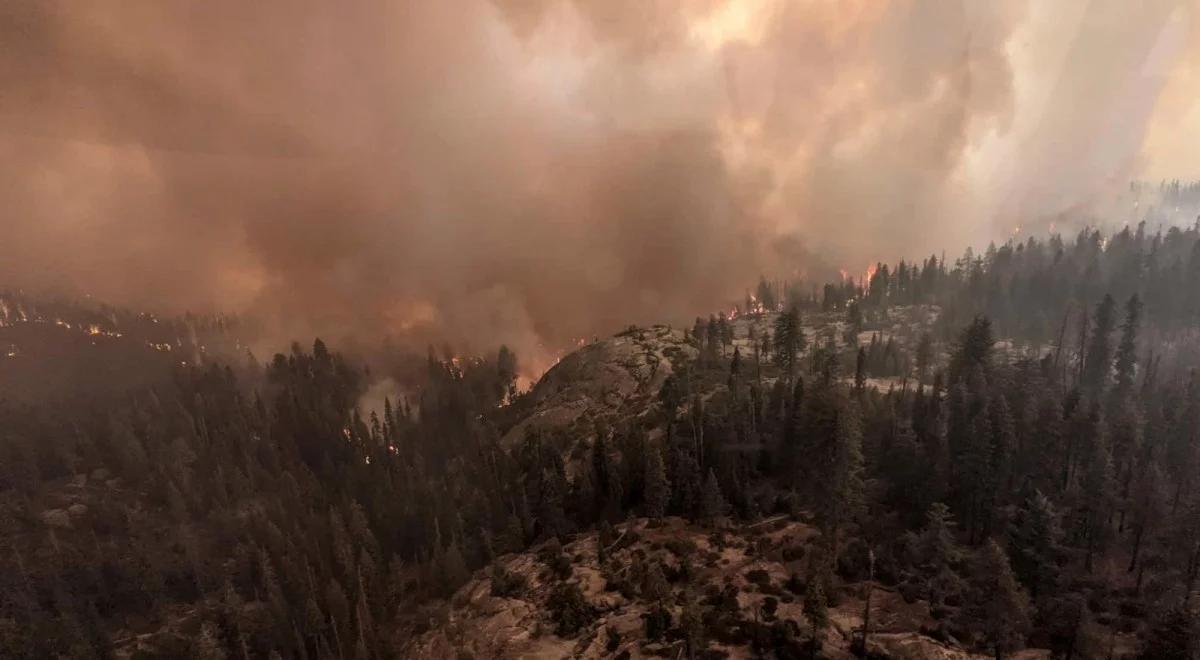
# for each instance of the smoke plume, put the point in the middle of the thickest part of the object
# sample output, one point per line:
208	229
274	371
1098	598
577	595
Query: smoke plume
532	171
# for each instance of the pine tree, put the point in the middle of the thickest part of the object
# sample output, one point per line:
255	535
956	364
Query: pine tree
832	473
909	473
338	607
816	610
939	550
714	345
700	336
1147	509
506	584
860	371
712	502
1099	351
1183	444
1126	362
1004	450
924	357
726	330
854	320
657	494
792	443
550	510
1035	543
735	372
314	620
506	368
939	554
766	295
453	569
569	609
684	476
1045	454
692	624
972	452
655	587
366	624
789	339
603	476
996	606
1097	495
974	350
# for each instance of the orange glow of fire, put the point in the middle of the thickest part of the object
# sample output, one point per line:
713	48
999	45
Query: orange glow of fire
755	306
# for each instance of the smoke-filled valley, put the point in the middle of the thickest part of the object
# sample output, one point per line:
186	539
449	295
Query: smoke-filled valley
559	328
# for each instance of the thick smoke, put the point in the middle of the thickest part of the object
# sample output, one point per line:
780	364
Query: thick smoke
532	171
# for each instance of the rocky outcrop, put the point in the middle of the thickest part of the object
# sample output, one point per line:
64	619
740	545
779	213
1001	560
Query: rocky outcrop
758	566
616	379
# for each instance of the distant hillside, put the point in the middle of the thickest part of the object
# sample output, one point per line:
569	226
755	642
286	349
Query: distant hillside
62	349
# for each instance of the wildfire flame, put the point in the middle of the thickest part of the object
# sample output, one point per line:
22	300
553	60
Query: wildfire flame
756	307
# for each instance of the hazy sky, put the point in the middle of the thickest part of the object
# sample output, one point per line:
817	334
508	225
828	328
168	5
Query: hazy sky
527	171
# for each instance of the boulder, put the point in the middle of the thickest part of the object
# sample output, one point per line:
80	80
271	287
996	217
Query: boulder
77	510
101	474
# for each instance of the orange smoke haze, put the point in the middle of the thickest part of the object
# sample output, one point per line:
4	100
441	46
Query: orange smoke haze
533	171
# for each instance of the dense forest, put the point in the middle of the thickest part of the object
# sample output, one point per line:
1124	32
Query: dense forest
1029	470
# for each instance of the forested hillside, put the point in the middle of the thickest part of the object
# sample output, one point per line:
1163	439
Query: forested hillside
1010	440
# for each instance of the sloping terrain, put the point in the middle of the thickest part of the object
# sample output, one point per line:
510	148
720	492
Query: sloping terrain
747	579
609	380
617	380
